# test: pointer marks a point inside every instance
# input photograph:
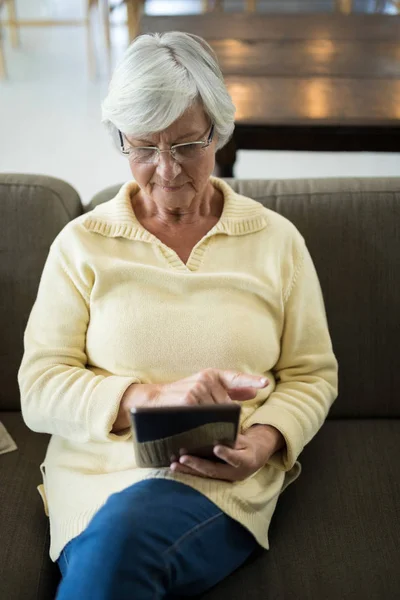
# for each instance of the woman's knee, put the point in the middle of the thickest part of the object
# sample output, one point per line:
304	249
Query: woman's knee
112	557
139	510
122	527
120	514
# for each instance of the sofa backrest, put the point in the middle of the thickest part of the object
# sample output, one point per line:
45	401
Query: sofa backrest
352	229
33	209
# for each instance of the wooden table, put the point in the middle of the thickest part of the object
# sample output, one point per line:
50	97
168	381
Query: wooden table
320	82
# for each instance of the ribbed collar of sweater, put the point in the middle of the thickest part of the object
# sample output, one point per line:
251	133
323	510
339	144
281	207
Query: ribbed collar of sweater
116	218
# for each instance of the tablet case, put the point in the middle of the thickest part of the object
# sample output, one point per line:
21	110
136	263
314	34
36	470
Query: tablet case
159	434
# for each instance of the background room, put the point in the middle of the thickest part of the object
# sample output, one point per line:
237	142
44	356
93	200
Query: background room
50	98
132	312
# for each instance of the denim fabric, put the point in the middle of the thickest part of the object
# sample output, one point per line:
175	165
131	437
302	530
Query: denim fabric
156	539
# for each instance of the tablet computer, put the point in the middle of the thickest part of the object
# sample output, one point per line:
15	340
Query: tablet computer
161	433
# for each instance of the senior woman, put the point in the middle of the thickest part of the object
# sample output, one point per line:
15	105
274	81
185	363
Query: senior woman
177	291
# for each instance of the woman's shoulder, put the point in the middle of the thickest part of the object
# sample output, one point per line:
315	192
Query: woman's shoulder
73	234
103	219
246	209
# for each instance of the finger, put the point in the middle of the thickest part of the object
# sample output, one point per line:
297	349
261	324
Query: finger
211	394
247	393
178	468
203	393
220	395
241	442
209	468
232	456
234	379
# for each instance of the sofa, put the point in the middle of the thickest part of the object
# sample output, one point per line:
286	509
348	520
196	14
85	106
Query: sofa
335	534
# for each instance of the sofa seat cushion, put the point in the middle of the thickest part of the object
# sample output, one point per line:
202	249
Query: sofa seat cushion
335	532
26	572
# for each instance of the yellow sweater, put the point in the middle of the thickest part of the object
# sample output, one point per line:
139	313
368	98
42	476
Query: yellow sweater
116	306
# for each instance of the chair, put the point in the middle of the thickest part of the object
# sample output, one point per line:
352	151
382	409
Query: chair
13	23
2	59
344	6
14	33
134	9
134	12
209	5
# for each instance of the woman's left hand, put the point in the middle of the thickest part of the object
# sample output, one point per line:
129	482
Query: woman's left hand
251	452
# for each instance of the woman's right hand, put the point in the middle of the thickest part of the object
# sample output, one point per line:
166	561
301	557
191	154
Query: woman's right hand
210	386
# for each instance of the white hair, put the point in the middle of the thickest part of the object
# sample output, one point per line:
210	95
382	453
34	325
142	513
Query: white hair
159	77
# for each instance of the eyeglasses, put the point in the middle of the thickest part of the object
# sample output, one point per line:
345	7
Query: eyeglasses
179	152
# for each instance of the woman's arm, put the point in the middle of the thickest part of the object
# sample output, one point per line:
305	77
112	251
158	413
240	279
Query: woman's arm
59	395
306	372
135	395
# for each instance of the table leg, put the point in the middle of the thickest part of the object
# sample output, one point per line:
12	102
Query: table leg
3	72
89	39
12	17
105	11
344	6
210	5
134	9
225	159
251	5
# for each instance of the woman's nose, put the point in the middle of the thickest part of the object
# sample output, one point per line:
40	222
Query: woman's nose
167	167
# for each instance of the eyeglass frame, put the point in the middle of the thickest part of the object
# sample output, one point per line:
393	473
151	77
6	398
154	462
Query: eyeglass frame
205	144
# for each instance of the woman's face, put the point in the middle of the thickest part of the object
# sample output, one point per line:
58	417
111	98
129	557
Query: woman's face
169	183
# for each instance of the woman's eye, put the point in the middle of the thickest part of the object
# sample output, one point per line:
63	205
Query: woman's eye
142	154
189	150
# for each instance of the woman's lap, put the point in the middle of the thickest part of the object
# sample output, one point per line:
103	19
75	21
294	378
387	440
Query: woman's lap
156	539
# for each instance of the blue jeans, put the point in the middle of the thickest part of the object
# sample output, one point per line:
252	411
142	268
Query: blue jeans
155	539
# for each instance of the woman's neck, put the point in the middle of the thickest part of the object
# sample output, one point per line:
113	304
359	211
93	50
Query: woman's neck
208	207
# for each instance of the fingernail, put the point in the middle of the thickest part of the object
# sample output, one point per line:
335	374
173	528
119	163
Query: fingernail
263	380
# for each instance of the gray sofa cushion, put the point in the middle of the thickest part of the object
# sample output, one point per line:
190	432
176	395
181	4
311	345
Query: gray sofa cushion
33	209
7	444
334	534
26	572
351	227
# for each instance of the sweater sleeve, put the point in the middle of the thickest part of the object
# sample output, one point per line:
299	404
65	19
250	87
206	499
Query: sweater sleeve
59	394
306	373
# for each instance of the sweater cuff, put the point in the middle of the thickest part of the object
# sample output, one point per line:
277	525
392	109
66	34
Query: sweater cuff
104	406
280	418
